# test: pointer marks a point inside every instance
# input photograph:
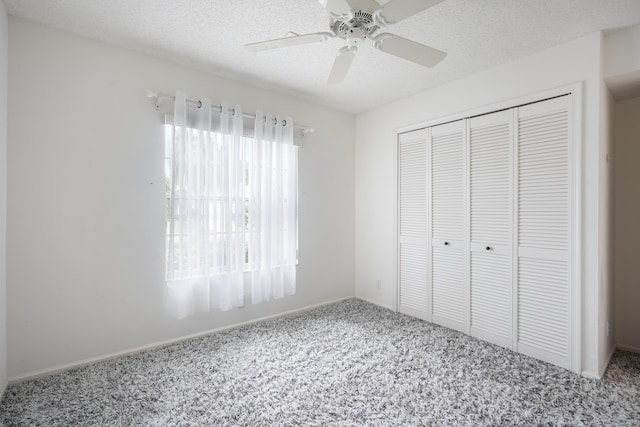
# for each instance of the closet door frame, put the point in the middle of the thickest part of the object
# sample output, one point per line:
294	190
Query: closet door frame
575	177
575	256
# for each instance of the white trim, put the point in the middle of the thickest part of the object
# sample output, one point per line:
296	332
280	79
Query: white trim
515	223
373	302
607	359
628	348
576	218
603	368
4	389
497	106
396	218
90	361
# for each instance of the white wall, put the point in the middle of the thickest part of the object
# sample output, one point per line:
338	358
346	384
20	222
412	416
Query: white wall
621	68
627	223
606	324
376	205
4	53
621	62
621	54
85	223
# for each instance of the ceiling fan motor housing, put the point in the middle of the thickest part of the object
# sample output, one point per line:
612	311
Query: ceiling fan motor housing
355	29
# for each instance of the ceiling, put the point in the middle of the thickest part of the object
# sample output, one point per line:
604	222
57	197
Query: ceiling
210	34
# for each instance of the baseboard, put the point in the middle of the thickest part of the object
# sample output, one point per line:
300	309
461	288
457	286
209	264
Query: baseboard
90	361
628	348
591	375
603	366
4	389
376	303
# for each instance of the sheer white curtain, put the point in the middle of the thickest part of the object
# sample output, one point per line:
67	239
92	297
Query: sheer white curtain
206	218
232	212
272	210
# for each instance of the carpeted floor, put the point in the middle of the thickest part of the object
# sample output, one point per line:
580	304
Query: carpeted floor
347	364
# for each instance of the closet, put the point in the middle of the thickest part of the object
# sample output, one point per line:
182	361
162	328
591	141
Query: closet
485	227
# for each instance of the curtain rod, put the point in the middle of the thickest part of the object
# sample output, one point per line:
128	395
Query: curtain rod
161	96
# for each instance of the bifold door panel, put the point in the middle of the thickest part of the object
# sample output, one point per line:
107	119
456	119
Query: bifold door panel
412	168
490	189
544	225
449	295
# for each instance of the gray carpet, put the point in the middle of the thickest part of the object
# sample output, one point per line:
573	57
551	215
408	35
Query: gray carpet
348	364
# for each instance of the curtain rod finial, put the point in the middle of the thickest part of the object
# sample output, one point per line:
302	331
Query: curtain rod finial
156	95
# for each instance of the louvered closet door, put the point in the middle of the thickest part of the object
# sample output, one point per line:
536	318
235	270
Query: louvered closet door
490	178
544	224
448	218
412	172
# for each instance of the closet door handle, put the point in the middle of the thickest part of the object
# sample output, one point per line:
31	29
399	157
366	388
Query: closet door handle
446	243
488	248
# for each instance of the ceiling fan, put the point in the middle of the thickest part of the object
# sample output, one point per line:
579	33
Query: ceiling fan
358	20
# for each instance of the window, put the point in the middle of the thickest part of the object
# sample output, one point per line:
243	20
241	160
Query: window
231	207
208	204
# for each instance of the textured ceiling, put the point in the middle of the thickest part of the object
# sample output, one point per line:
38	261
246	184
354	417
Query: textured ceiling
210	34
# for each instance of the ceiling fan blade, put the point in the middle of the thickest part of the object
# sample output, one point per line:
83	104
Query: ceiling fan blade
343	7
408	49
336	7
288	41
341	65
397	10
366	5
